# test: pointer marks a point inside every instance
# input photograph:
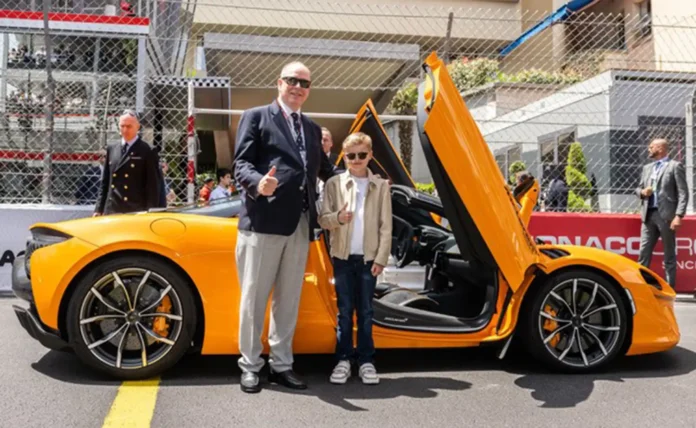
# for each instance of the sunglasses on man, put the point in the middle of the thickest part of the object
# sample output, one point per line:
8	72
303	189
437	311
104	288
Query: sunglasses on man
293	81
361	155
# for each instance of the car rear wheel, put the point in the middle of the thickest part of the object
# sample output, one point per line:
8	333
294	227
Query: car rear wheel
576	322
131	317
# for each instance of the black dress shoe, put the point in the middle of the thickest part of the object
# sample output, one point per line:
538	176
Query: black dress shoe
287	378
250	382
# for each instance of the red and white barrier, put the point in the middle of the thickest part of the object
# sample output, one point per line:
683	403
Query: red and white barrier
620	234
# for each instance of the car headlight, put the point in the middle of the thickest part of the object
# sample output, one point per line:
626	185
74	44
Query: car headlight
650	279
41	237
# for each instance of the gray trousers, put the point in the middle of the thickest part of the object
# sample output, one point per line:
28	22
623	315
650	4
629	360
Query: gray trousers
262	261
653	228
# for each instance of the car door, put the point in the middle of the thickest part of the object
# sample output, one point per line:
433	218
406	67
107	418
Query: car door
477	202
385	162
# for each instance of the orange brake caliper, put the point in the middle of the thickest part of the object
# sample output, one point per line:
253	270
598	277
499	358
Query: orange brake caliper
161	325
550	325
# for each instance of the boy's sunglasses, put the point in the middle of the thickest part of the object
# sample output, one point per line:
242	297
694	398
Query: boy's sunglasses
293	81
361	155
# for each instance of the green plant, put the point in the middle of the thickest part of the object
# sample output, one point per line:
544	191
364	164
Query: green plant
426	187
579	186
404	103
514	168
577	204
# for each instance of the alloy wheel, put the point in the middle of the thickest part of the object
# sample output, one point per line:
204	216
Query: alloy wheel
131	318
580	322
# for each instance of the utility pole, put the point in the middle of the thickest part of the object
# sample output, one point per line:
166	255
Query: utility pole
50	86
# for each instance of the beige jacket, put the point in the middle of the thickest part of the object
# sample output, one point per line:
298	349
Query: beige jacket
377	237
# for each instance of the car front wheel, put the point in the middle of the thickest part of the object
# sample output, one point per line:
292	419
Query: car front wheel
576	322
131	317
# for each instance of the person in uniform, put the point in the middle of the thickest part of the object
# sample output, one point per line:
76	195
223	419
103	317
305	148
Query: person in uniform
131	177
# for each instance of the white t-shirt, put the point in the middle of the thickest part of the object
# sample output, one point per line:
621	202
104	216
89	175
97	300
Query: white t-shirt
356	238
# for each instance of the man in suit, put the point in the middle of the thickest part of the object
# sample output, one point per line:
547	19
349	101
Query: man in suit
131	178
664	196
278	156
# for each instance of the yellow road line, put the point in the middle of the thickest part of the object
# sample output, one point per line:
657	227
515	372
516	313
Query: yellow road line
134	404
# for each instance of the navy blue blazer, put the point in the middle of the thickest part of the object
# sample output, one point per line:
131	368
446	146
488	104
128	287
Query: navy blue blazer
264	139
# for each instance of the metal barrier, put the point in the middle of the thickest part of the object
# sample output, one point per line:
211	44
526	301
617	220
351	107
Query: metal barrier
574	93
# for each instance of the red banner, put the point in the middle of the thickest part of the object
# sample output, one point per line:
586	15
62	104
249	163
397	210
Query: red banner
619	234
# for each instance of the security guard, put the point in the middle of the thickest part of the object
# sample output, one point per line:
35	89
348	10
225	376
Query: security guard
131	177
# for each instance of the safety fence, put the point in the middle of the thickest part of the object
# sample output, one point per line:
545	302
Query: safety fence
576	94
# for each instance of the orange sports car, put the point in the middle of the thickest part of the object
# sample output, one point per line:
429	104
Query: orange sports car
131	294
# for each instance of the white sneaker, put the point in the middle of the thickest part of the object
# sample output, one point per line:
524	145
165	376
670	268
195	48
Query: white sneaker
368	374
341	372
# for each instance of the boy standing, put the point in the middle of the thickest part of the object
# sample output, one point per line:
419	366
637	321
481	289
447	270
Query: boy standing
357	210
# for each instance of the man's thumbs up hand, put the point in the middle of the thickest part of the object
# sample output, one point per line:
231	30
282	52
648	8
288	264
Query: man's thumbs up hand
345	216
268	183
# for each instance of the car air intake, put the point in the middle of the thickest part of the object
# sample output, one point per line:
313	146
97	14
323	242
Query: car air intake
555	253
650	279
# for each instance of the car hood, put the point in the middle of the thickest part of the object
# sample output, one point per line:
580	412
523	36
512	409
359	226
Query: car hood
477	202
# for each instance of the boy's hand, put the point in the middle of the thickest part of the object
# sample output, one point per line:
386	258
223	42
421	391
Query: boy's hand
345	216
377	269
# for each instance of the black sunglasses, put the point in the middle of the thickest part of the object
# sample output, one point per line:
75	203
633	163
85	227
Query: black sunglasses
293	81
361	155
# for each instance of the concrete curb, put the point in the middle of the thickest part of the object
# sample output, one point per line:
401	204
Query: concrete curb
686	298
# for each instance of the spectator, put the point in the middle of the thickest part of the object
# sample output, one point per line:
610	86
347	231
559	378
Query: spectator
206	190
222	191
557	194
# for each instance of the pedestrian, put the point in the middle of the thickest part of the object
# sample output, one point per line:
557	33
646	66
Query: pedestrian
357	210
663	194
278	156
131	178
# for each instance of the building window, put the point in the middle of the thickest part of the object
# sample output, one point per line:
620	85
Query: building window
644	19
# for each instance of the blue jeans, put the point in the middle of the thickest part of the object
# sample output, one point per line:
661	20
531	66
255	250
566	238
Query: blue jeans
355	287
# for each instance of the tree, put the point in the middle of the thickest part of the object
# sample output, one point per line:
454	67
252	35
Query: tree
515	167
404	103
579	186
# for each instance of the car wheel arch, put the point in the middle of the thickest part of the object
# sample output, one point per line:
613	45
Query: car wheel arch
543	276
65	300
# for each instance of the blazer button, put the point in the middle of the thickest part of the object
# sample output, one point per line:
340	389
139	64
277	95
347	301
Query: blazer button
114	175
126	175
113	187
125	187
125	198
301	187
132	165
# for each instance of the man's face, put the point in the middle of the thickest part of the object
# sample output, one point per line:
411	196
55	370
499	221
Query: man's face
290	89
129	127
226	180
656	150
326	142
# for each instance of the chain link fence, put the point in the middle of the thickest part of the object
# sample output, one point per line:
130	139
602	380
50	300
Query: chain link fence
571	94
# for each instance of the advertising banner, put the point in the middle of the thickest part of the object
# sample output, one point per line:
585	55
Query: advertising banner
619	234
16	220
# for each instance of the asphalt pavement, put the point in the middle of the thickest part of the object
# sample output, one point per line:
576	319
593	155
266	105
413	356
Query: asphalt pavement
471	387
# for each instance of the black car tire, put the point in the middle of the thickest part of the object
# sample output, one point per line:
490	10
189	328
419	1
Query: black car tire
178	284
532	332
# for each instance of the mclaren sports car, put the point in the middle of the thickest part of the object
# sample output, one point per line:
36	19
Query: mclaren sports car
131	294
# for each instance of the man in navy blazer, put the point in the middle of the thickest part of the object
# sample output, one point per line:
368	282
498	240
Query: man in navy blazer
278	157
